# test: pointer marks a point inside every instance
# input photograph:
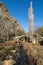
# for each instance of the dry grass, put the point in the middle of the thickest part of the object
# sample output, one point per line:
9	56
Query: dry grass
34	52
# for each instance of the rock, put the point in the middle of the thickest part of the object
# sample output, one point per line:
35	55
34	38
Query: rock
8	62
13	51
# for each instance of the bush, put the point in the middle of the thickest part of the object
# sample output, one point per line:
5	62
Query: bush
19	32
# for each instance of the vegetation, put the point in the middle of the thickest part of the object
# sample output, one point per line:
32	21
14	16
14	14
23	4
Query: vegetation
39	30
18	32
26	53
8	25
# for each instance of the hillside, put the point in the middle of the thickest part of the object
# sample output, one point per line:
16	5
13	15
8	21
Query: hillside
8	25
39	30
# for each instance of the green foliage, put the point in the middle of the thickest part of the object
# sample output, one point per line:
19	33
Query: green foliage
18	32
8	49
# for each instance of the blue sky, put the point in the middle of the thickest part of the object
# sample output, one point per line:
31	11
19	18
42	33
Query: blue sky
19	10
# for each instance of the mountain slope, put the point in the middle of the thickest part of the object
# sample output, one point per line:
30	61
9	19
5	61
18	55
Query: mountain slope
8	25
39	30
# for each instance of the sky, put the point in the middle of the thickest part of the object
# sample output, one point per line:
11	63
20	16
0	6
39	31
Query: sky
18	9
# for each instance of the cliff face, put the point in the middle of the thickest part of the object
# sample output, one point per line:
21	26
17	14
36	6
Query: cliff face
8	25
